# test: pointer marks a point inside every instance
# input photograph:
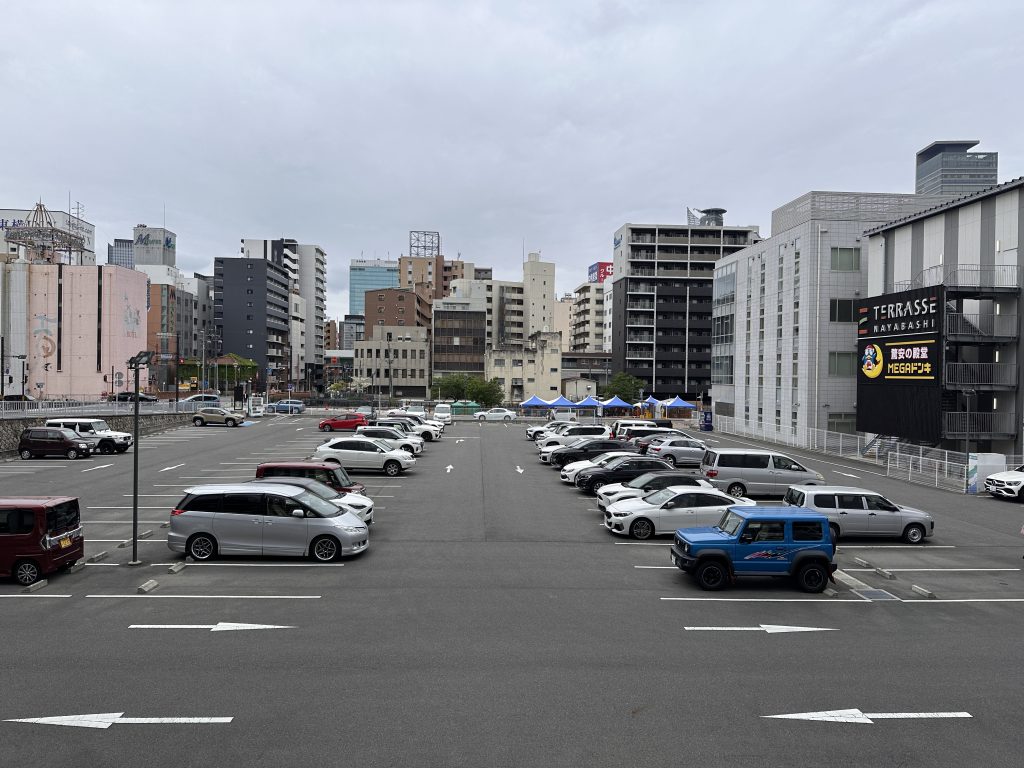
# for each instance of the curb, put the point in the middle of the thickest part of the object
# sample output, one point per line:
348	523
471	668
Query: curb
923	592
147	586
36	586
76	567
177	568
97	557
830	592
862	562
145	534
885	574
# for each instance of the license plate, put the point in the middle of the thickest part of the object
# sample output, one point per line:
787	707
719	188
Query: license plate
675	560
65	542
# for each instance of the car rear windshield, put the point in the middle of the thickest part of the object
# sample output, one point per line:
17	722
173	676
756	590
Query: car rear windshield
62	517
640	482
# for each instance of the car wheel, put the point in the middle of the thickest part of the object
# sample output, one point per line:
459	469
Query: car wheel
641	529
408	449
913	534
479	418
834	530
72	454
229	422
26	454
712	575
324	549
428	437
392	468
26	572
201	547
507	418
327	428
736	489
106	449
812	577
197	421
596	486
670	459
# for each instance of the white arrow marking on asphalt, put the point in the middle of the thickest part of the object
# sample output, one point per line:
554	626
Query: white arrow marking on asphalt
107	719
847	474
222	626
101	466
299	429
856	716
167	469
459	441
771	629
448	469
519	469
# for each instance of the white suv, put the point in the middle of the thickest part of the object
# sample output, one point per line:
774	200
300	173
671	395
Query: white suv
1005	485
108	441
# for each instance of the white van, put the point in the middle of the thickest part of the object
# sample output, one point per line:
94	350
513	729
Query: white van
443	413
752	472
619	427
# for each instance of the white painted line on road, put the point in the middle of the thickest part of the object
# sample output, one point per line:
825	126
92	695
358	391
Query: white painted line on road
257	565
656	567
165	469
141	541
644	543
847	474
154	495
822	600
919	547
107	719
383	496
373	485
299	429
851	581
936	570
771	629
864	718
35	595
241	463
120	522
910	601
101	466
207	477
111	565
448	469
213	597
172	485
126	507
220	626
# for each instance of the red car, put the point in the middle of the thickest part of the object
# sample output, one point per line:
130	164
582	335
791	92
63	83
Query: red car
344	422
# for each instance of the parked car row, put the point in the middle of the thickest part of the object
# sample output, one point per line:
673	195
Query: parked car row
72	438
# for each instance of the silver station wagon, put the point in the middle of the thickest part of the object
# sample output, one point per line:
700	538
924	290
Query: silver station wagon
859	512
269	519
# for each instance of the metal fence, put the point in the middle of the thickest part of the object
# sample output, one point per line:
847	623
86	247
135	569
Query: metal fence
45	409
914	463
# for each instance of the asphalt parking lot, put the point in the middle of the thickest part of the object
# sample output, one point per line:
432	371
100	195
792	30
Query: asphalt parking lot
494	622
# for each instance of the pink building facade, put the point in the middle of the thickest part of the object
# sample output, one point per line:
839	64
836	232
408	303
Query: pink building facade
83	323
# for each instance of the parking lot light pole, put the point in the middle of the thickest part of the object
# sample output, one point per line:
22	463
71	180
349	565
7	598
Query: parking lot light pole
135	363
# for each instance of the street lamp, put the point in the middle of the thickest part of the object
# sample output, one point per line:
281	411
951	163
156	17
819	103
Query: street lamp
140	360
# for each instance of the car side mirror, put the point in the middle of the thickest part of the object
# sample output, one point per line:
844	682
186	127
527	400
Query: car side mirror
298	513
746	538
669	505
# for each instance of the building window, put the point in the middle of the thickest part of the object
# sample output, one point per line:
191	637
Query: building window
380	310
842	422
840	310
499	362
842	363
380	297
846	259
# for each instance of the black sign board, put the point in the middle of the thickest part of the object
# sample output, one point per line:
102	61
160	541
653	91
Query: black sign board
899	364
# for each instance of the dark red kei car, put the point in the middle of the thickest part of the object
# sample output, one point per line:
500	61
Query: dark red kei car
343	422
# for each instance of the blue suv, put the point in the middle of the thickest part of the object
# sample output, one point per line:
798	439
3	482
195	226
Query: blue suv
758	541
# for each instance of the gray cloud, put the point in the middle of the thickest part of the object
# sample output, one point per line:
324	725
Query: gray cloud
347	124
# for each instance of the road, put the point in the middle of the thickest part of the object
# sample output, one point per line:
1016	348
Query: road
494	622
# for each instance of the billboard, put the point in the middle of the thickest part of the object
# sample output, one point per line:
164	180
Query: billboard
899	364
599	272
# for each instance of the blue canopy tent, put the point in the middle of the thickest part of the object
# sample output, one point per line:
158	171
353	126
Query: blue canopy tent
652	400
561	402
589	402
534	402
677	402
616	402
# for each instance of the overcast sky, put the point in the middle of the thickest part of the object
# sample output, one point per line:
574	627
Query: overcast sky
499	124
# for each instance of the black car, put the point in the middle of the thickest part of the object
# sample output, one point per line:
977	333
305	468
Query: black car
655	481
618	471
585	449
53	441
129	397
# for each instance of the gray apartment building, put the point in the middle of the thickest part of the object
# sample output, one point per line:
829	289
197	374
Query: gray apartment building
784	332
251	313
120	253
662	300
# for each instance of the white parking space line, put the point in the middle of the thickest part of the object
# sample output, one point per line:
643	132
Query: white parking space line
819	600
141	541
172	485
967	600
371	485
218	470
166	469
255	565
207	477
643	543
35	595
850	581
920	547
128	507
657	567
936	570
214	597
154	495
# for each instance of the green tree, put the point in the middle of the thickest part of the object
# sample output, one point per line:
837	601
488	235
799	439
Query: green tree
625	386
454	386
487	393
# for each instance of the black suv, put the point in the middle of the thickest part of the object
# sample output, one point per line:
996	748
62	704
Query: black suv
618	471
53	441
567	454
129	397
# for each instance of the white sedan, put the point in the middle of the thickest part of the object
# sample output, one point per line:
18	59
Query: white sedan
645	484
359	505
495	414
669	509
569	471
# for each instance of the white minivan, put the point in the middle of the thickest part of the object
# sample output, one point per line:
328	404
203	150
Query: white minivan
443	413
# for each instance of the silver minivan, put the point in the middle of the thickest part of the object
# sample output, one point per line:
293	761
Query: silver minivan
752	472
859	512
272	519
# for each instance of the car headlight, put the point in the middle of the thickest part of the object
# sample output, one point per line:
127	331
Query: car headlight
686	549
83	445
1013	482
360	507
820	476
620	514
353	528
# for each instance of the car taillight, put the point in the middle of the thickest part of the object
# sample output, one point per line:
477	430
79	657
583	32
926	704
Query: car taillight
710	473
177	512
654	448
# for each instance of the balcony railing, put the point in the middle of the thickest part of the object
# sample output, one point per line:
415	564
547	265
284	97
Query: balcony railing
639	320
639	305
958	324
960	424
981	374
970	276
641	337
